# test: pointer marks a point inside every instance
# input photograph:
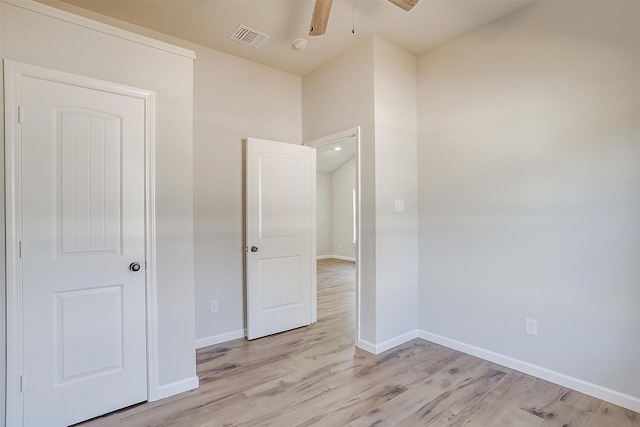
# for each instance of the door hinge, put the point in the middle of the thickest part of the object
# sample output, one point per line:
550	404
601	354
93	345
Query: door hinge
20	249
21	383
19	113
145	265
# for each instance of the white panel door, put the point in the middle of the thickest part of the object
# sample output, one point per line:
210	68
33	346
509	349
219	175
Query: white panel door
82	228
279	236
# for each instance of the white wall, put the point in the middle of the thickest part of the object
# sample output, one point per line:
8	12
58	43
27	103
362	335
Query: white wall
343	182
396	179
336	97
529	191
323	214
374	86
36	39
233	99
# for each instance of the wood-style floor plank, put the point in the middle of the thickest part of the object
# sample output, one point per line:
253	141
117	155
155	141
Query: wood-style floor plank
314	376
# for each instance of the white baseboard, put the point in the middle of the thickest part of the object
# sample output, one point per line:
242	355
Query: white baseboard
177	387
217	339
366	346
388	344
324	256
613	396
396	341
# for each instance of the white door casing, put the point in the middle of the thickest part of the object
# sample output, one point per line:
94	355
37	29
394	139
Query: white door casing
78	216
280	236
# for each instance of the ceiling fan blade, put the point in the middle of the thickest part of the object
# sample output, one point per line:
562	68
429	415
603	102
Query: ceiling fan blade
320	17
405	4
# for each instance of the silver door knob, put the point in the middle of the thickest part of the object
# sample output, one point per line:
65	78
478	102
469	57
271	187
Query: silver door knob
134	266
254	249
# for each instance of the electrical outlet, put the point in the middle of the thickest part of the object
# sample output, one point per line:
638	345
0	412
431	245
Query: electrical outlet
531	327
214	306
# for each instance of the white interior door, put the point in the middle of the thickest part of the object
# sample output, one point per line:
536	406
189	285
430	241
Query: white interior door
280	236
82	228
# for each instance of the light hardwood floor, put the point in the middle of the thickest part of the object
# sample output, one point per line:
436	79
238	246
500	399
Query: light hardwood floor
315	376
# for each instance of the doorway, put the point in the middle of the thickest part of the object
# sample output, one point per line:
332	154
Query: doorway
338	208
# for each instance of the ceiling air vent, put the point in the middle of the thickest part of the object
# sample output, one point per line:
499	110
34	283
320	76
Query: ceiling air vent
249	36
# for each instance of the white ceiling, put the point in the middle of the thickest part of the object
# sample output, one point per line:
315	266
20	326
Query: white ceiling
328	159
210	22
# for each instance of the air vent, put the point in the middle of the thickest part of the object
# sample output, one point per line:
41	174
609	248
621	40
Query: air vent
249	36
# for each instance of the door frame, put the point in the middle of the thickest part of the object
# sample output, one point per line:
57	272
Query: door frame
13	72
328	140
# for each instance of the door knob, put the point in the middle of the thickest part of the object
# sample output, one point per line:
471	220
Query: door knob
254	249
134	266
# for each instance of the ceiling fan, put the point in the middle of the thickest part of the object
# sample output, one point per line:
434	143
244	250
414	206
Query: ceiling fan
321	10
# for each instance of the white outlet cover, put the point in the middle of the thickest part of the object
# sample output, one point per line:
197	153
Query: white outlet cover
399	205
531	327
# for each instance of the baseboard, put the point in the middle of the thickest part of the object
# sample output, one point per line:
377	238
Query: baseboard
612	396
366	346
177	387
324	257
217	339
396	341
388	344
